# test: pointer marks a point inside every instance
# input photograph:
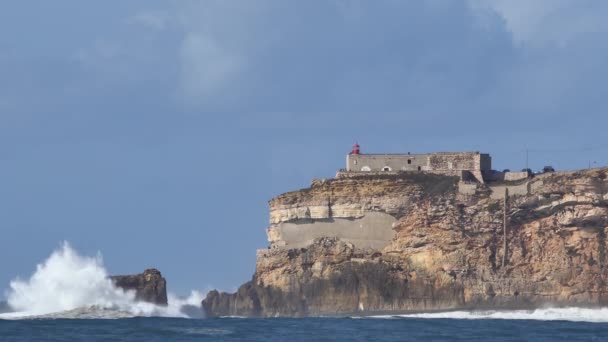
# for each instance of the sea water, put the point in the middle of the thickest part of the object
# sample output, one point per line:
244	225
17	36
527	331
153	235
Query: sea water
69	298
306	329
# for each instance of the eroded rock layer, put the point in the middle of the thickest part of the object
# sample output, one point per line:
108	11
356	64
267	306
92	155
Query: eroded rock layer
447	251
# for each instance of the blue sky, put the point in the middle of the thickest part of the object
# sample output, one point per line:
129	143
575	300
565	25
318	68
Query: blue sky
156	131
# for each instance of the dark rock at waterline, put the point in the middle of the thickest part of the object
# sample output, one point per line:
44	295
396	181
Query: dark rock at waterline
149	286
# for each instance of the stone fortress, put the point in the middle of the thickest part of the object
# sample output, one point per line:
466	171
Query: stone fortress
293	225
397	239
472	166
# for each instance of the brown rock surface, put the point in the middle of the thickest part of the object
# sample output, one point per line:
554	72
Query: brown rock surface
149	286
446	254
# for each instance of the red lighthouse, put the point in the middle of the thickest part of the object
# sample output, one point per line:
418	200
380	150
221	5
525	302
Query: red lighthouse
355	149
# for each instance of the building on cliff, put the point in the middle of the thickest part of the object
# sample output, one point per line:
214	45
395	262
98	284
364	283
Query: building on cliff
473	166
405	242
294	225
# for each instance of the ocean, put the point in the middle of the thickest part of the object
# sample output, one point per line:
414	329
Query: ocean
305	329
70	298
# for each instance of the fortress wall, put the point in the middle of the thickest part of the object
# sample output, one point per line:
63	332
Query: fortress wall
396	162
497	176
463	175
470	161
477	175
485	162
466	175
514	176
498	191
454	161
374	230
467	188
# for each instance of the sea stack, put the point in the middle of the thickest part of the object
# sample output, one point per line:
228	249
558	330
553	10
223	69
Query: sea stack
149	286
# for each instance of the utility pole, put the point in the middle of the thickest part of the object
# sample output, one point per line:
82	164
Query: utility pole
504	227
526	158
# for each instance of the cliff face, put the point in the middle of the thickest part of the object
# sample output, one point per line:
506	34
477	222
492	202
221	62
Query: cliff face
446	251
149	286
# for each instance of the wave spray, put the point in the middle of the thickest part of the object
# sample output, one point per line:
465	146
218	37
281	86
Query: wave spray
70	285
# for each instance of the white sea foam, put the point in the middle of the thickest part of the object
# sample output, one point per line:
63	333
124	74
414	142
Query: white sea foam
74	286
546	314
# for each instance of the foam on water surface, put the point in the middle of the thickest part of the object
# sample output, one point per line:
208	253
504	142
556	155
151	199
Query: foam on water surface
573	314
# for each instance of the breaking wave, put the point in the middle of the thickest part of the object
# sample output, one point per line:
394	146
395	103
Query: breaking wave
573	314
68	285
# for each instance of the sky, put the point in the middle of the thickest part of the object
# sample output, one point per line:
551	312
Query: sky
154	132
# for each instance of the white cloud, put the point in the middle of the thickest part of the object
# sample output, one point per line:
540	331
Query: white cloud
158	20
353	56
206	66
549	21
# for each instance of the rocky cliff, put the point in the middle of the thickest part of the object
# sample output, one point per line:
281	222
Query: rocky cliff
149	286
447	248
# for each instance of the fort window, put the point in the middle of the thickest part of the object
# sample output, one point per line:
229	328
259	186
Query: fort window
409	161
418	168
366	169
386	168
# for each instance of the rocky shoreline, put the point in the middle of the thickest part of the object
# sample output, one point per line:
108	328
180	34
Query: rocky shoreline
446	253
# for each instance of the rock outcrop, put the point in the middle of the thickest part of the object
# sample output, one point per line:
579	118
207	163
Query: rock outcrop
447	251
149	286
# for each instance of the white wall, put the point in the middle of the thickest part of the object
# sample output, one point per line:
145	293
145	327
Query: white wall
374	230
